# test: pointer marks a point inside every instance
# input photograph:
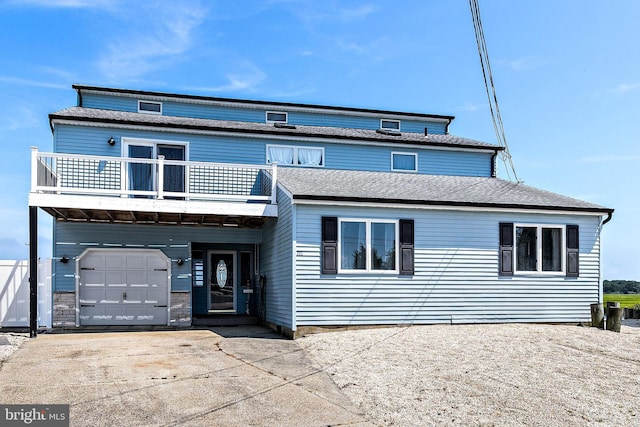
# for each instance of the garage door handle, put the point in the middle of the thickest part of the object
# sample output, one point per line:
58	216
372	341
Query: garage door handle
160	306
87	305
87	268
160	269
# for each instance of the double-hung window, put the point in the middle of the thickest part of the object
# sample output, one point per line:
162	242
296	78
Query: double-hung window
539	249
295	156
404	162
366	245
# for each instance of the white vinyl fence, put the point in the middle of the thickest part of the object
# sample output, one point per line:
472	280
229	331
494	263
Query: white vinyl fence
14	293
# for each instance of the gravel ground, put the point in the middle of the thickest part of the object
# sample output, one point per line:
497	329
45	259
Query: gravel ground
14	341
487	375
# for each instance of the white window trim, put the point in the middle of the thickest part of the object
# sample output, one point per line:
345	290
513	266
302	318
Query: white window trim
539	271
295	155
391	121
149	102
369	269
127	141
415	155
266	117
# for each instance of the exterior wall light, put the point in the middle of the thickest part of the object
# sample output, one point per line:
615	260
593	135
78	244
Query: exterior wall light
64	260
111	141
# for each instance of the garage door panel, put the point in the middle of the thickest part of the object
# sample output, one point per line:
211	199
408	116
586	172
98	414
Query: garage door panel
123	287
114	262
114	278
156	278
93	278
136	262
136	277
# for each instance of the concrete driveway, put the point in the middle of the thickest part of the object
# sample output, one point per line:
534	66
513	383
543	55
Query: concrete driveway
225	376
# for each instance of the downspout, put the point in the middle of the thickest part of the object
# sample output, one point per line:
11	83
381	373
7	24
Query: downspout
493	164
446	128
600	279
79	98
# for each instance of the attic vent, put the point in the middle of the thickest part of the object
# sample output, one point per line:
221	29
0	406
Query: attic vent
388	132
276	117
283	125
150	107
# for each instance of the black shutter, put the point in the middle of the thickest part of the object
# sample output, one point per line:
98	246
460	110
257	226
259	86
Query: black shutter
329	245
506	249
573	251
406	247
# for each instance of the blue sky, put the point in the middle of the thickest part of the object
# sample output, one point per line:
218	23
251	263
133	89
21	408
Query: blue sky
567	75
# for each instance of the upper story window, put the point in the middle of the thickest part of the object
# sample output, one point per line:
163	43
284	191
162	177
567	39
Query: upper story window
277	117
295	156
150	107
404	162
390	124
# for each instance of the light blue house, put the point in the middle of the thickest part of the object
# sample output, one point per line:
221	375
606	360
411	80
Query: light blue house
169	207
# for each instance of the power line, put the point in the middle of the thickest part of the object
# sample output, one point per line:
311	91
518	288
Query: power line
491	90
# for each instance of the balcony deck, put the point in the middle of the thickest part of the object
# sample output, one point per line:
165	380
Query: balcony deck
86	188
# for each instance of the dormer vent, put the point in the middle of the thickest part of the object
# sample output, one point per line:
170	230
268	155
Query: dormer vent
282	125
388	132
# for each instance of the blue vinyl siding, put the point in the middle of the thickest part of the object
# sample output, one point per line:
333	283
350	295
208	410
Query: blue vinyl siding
456	274
107	102
93	140
252	114
71	239
276	263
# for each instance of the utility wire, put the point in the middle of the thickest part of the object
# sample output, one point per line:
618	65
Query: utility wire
491	90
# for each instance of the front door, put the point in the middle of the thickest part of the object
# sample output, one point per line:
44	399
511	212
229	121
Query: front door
222	281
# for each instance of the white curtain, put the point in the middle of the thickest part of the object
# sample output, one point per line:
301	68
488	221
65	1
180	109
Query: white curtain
309	156
281	155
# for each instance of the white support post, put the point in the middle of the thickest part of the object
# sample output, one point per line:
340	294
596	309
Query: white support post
187	180
160	177
123	177
34	168
274	182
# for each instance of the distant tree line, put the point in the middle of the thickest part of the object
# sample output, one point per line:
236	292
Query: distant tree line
621	287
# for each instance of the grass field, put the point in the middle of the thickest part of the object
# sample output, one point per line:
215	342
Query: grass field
625	300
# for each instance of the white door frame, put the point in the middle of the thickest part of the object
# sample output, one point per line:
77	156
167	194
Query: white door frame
114	250
210	269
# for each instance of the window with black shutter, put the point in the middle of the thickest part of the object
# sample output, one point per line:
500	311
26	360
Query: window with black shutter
329	245
406	247
506	249
573	251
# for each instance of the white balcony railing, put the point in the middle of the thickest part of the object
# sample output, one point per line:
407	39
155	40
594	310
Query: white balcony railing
61	173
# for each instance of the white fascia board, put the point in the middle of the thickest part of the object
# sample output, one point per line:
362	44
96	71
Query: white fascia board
443	207
197	207
276	107
295	138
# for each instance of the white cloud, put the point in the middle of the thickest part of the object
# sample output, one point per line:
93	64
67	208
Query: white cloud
37	83
469	106
626	87
164	38
525	63
609	159
20	118
246	79
93	4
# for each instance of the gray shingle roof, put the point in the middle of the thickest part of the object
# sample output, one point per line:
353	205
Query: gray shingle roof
123	117
442	190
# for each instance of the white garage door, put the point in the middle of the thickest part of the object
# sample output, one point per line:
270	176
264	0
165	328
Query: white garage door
123	287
